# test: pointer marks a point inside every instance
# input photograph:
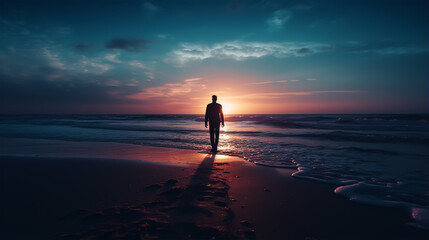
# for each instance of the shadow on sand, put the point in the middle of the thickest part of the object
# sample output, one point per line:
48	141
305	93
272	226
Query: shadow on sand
194	209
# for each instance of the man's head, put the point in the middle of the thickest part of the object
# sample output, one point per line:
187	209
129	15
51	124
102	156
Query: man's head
214	98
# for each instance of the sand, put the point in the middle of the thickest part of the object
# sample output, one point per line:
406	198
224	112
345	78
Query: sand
136	192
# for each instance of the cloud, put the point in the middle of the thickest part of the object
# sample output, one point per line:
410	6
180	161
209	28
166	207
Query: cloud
128	44
137	64
83	47
278	19
380	47
101	67
303	51
267	95
112	57
55	81
268	82
37	93
311	79
150	9
67	62
260	83
164	36
192	79
239	51
53	58
149	76
168	90
96	65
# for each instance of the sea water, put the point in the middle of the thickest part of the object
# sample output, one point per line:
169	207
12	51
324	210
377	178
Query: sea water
375	159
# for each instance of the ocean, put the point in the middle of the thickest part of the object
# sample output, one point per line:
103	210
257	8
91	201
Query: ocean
376	159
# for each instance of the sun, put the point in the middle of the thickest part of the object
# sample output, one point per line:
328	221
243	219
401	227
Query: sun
227	108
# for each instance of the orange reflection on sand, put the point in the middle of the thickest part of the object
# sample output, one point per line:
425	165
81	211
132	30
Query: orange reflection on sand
225	158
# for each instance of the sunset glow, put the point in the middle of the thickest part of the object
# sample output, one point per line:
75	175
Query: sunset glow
227	108
170	58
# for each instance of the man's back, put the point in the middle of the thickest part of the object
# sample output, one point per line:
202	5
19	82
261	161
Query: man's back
214	113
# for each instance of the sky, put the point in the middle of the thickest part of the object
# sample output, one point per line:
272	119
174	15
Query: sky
257	56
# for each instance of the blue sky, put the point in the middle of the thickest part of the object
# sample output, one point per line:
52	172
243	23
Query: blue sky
171	56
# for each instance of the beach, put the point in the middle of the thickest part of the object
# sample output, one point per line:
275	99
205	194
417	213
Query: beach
234	119
113	191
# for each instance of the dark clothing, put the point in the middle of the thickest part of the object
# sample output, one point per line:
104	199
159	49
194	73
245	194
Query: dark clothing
214	115
214	131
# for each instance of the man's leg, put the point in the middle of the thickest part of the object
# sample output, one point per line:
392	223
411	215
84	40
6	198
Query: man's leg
217	136
212	136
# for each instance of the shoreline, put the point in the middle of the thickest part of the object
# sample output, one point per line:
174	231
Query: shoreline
225	197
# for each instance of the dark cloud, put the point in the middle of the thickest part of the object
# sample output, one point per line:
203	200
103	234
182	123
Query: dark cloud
70	91
43	88
83	47
303	51
31	83
128	44
381	47
366	46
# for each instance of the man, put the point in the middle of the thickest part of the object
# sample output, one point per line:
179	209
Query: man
214	115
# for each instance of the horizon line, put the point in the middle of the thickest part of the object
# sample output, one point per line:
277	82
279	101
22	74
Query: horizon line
14	114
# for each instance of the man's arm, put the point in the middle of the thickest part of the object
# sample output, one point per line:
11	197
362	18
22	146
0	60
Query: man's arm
221	116
207	116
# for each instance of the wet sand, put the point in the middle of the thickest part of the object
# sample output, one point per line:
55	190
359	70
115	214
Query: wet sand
153	192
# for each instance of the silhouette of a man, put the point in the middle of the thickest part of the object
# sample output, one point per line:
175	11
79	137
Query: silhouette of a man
214	115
